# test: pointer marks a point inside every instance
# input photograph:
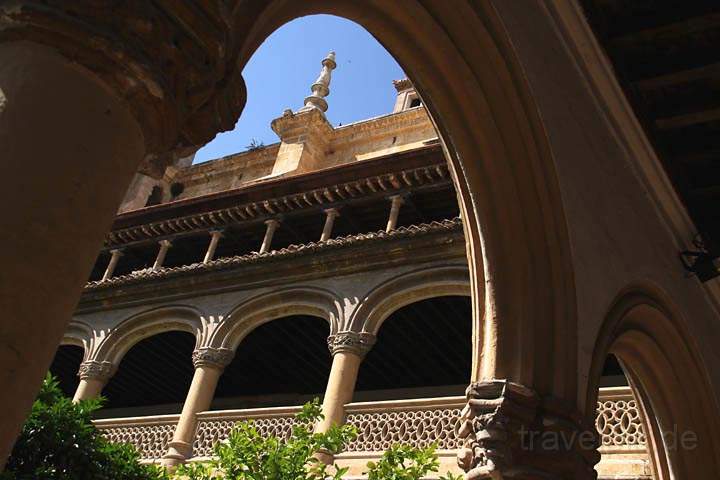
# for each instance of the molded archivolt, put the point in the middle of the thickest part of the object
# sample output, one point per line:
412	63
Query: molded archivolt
669	381
120	339
266	307
407	288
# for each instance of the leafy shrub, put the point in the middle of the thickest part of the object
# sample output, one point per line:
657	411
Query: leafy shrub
248	455
59	442
405	462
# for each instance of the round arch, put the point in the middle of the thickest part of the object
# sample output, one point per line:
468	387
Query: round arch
405	289
81	335
464	67
120	339
668	380
266	307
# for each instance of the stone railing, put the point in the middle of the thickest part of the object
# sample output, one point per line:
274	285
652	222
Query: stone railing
618	420
216	425
419	422
150	435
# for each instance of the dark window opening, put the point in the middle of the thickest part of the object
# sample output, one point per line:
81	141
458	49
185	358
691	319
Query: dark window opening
155	197
65	366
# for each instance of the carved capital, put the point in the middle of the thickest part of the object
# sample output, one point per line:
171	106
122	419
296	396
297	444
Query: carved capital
353	342
212	357
174	63
509	431
95	370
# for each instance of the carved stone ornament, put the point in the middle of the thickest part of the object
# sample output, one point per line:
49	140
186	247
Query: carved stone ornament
95	370
509	431
353	342
173	62
212	357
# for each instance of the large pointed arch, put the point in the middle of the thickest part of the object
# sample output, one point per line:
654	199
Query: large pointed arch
669	381
463	65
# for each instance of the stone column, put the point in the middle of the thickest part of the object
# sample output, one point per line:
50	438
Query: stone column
94	376
272	225
115	255
160	259
330	215
209	364
348	350
215	236
84	105
396	203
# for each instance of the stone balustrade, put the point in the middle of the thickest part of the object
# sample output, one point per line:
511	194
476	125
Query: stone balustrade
419	422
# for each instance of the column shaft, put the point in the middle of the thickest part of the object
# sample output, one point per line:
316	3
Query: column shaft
330	215
397	201
69	148
272	225
340	388
160	259
199	397
215	236
114	258
89	388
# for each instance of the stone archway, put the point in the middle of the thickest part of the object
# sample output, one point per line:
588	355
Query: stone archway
461	61
669	382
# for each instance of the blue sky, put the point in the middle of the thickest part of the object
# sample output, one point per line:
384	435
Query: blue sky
280	73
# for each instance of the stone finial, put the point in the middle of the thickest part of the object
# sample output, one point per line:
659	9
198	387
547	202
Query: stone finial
321	87
353	342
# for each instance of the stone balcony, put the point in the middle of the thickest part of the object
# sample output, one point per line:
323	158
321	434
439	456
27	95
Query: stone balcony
418	422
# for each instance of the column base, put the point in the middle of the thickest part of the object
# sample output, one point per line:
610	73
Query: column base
178	453
510	432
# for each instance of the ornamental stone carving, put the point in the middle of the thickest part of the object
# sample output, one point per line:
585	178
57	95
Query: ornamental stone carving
509	431
174	65
352	342
212	357
96	370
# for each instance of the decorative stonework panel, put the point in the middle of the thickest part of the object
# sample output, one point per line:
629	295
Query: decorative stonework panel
216	428
151	439
378	430
618	422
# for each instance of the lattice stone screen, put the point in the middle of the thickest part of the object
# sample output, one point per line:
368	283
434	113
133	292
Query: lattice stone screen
419	422
618	419
216	426
150	435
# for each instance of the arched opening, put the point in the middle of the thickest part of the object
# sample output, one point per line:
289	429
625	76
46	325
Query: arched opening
668	383
423	349
284	362
65	367
152	378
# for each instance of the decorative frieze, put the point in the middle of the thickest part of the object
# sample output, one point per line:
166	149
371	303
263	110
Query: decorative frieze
509	431
212	357
96	370
353	342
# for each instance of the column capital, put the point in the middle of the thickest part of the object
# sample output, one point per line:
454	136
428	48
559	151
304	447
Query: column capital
509	431
273	221
352	342
96	370
180	100
218	358
165	243
120	251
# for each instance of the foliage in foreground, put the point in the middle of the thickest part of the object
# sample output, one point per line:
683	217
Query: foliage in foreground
248	455
59	442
